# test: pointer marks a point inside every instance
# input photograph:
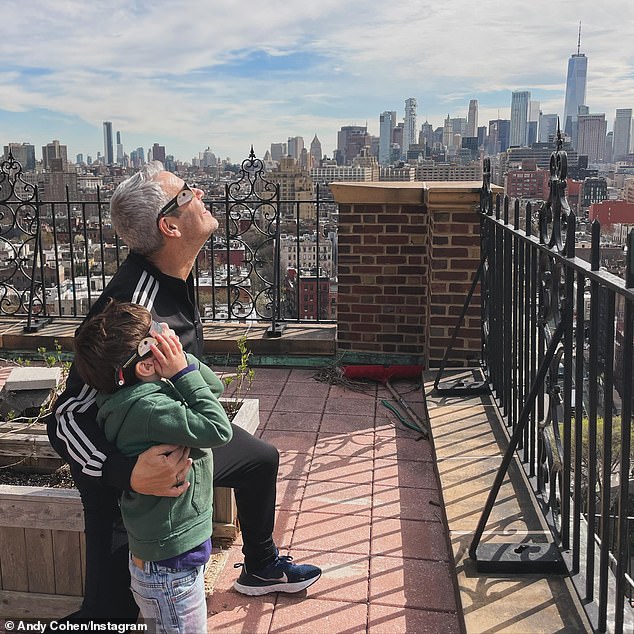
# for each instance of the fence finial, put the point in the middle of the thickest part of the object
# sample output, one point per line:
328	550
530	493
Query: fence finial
560	142
629	264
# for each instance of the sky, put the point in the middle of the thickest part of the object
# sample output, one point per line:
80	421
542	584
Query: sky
228	75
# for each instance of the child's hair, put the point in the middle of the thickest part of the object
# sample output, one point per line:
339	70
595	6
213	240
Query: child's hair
106	340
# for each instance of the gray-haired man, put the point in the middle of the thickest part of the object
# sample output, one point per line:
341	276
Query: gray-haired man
165	223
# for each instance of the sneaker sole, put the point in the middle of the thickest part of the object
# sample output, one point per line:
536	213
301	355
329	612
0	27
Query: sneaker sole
256	591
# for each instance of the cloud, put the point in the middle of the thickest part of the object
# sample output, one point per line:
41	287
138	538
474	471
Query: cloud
225	75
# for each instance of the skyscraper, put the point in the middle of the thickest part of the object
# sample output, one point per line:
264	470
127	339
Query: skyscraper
533	122
622	133
591	132
158	152
499	135
135	159
350	140
472	118
108	150
278	151
520	100
24	153
315	152
609	147
295	146
409	129
207	158
547	127
482	135
426	135
575	87
447	132
459	125
120	153
387	123
55	156
397	142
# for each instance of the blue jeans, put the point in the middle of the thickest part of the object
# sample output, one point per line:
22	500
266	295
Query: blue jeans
174	599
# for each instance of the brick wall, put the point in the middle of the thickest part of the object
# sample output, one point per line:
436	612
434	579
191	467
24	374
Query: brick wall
454	258
381	278
407	255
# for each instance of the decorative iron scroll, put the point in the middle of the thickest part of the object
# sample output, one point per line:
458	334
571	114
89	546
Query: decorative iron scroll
550	450
486	197
251	185
556	230
555	223
251	224
555	213
21	293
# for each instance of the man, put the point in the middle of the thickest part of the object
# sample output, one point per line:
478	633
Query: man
165	224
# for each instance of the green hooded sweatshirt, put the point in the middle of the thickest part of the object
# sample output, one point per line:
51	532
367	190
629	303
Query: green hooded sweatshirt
186	412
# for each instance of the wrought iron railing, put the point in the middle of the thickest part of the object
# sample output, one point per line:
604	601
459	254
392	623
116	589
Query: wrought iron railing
57	256
557	354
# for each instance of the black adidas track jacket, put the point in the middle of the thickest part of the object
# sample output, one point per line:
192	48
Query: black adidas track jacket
72	428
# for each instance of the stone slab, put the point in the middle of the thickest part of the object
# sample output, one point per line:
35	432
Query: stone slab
33	378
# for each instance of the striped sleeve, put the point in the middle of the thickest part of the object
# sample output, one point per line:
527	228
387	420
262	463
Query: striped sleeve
145	291
76	410
76	419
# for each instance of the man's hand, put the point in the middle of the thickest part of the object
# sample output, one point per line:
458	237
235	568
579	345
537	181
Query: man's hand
162	470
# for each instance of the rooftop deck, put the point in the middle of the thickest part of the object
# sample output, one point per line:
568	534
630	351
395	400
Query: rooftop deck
359	496
408	256
386	514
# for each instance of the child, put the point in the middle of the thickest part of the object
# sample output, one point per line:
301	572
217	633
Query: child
150	392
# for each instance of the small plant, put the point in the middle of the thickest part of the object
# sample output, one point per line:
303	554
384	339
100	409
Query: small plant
55	358
243	378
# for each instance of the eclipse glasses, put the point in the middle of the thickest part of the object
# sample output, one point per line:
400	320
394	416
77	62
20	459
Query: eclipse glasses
142	351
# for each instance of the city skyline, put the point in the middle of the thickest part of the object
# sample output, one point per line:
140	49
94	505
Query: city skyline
288	70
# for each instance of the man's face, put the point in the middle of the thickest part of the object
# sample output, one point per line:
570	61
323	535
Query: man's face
193	219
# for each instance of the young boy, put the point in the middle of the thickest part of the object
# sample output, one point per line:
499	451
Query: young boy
150	393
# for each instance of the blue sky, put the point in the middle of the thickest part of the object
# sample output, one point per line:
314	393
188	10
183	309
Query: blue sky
228	74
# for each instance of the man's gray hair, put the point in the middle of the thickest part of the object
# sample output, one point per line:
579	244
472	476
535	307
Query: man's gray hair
134	208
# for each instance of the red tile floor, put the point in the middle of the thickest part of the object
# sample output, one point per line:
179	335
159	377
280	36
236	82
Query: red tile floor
357	495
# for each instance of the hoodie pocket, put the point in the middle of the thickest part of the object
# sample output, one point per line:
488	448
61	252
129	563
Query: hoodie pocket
201	483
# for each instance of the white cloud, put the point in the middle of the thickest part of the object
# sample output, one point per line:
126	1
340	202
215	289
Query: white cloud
187	75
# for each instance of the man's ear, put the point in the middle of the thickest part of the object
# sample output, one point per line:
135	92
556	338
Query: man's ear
144	369
168	228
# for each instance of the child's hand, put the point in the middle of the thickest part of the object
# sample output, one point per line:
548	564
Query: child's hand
169	357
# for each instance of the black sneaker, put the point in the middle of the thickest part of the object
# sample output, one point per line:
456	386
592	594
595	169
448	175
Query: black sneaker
279	576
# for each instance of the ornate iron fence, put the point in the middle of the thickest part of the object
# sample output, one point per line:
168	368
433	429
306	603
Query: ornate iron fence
558	350
57	256
20	292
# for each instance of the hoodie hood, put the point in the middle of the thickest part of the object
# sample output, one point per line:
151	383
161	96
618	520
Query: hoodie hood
121	402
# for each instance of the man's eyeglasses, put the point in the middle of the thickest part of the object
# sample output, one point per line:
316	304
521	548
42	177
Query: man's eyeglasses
141	352
182	198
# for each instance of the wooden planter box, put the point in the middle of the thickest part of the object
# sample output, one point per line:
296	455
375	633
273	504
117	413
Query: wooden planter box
42	545
41	551
27	445
225	514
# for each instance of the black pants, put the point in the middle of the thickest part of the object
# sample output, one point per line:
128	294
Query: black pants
246	464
